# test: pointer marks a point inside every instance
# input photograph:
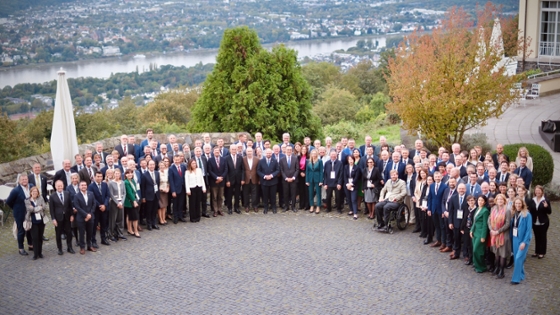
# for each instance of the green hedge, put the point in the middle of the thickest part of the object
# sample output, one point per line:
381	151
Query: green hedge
543	165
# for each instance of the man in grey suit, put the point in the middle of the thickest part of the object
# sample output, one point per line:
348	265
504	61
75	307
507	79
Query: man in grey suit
289	170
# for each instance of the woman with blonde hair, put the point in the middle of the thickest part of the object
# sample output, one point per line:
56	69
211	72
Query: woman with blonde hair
163	192
540	208
109	175
523	152
314	180
35	206
521	237
499	224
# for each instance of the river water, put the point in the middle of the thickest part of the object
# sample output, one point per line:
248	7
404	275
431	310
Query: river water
102	68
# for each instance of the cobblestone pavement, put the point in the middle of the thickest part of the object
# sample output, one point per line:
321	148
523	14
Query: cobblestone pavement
269	264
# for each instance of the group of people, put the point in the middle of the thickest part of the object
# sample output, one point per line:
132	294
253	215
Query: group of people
471	203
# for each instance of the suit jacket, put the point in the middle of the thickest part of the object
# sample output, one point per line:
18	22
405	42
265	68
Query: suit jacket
314	172
147	186
158	158
479	228
129	149
84	175
495	160
85	208
381	170
115	166
482	179
412	153
60	210
447	199
477	190
44	192
251	176
540	211
412	184
435	200
355	175
74	168
455	207
375	178
264	169
526	174
363	149
462	171
16	201
101	198
328	167
289	171
72	191
400	168
60	175
236	173
176	180
214	171
499	177
224	152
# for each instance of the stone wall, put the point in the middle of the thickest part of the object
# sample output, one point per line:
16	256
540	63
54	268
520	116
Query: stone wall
9	171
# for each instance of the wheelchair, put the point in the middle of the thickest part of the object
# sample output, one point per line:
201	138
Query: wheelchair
400	217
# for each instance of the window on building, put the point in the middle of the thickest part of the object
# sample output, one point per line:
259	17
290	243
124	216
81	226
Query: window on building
549	44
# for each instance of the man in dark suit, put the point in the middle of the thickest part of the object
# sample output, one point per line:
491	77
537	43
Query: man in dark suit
177	189
99	150
146	142
124	148
258	143
455	151
418	145
369	154
64	173
162	155
85	203
405	159
435	198
234	179
251	181
36	179
481	175
277	155
382	165
332	181
223	150
289	170
202	163
60	207
458	210
448	194
503	175
87	174
495	156
16	201
524	172
207	153
150	195
79	163
459	164
110	165
100	192
217	168
368	144
268	171
395	164
132	142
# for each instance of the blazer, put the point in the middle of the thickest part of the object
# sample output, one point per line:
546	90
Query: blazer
479	228
477	190
236	173
454	208
329	167
393	191
447	199
176	180
539	211
314	172
264	169
435	200
130	195
289	171
224	152
115	166
251	176
85	208
381	169
101	198
129	150
375	178
194	180
60	175
72	192
60	210
204	165
482	179
43	179
31	209
499	177
114	192
214	171
74	168
147	186
524	228
419	191
526	174
16	201
84	175
355	175
400	168
363	149
412	184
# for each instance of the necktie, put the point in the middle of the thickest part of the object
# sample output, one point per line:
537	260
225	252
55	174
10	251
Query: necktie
502	178
153	177
124	150
395	166
437	187
460	201
520	169
179	170
233	157
38	183
218	162
450	194
472	190
99	186
268	162
90	174
417	152
288	162
199	165
61	197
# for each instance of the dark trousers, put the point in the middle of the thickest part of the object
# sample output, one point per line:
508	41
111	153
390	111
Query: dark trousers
151	211
204	198
179	203
303	192
85	227
232	195
194	204
418	216
101	218
142	213
457	241
280	191
250	196
37	231
21	234
383	211
467	244
337	194
429	226
449	233
352	197
439	226
290	190
269	196
540	238
63	227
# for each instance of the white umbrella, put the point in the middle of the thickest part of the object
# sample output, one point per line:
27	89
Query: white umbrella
496	41
64	143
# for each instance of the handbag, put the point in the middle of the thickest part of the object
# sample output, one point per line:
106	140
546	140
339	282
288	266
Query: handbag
549	126
46	219
27	225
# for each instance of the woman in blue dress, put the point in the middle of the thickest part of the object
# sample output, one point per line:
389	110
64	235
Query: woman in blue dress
521	237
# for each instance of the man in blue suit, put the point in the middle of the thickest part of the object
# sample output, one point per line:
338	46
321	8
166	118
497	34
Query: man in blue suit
16	201
396	164
435	198
332	181
523	172
85	203
177	187
217	170
100	192
473	188
268	171
363	148
150	195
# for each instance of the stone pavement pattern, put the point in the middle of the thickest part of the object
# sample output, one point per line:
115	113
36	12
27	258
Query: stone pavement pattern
520	124
269	264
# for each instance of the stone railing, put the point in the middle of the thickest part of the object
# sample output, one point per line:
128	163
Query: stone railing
10	170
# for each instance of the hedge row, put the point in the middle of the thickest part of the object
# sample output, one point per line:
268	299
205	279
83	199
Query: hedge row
543	165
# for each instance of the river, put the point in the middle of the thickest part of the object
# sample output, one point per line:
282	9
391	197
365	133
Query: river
102	68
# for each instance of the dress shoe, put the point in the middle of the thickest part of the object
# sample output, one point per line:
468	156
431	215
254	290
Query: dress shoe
92	249
265	211
41	256
453	257
500	273
46	239
416	231
23	252
237	211
112	239
284	210
137	235
294	210
514	283
157	227
426	242
122	237
468	262
149	227
442	246
60	251
381	227
446	250
273	211
94	245
63	236
71	250
214	215
229	211
220	213
510	263
436	244
34	257
104	242
182	220
175	220
82	251
206	215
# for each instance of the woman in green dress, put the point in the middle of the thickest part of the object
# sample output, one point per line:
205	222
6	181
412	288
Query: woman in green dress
479	232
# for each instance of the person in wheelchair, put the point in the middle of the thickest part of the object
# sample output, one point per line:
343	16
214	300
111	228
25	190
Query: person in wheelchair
391	197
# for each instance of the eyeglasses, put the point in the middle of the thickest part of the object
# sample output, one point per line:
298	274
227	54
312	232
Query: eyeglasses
369	162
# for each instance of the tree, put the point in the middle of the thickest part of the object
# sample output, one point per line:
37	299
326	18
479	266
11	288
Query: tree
336	104
448	82
251	89
11	141
173	107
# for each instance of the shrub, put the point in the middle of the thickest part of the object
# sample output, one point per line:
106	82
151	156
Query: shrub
552	191
543	165
472	140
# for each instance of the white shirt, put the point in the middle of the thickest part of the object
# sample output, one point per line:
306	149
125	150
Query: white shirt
194	179
250	163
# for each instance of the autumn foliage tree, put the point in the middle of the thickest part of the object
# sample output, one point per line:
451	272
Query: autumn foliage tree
450	81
